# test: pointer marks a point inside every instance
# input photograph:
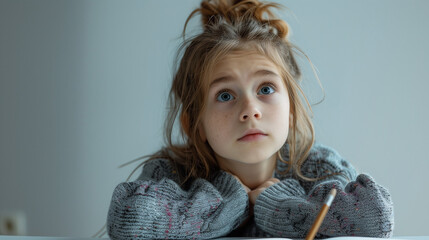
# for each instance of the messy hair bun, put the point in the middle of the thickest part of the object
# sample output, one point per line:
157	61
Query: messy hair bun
233	11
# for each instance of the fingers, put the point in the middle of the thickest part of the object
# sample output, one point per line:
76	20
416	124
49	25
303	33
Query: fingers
269	182
253	195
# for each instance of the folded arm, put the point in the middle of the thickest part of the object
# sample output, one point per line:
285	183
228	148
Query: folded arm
159	208
361	206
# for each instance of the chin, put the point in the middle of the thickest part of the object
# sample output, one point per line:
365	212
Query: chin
255	159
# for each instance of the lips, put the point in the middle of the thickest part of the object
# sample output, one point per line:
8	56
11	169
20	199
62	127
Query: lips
252	134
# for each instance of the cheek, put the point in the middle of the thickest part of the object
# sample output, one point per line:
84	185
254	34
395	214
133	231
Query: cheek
217	126
281	121
280	104
280	114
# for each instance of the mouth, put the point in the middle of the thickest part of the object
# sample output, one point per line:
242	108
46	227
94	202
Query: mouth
252	134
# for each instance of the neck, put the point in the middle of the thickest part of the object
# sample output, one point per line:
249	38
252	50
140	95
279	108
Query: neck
251	175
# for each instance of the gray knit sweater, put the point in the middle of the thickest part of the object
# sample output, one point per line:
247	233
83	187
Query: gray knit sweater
155	206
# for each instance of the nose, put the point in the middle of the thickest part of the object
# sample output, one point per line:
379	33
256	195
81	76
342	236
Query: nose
250	110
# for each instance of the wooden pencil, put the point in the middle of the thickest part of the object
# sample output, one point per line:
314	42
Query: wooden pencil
319	219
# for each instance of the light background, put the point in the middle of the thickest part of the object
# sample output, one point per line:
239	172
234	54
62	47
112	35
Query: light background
83	87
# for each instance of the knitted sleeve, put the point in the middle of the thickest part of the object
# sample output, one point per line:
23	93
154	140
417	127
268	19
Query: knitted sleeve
155	206
361	206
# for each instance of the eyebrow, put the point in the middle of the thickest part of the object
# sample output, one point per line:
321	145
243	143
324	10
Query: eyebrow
262	72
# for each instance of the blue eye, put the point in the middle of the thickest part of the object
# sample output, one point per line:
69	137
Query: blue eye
224	97
266	90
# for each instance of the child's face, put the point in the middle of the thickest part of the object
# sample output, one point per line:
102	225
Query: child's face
251	95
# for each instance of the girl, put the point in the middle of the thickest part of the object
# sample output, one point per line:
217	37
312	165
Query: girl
248	164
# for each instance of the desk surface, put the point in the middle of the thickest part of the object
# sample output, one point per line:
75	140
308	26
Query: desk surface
3	237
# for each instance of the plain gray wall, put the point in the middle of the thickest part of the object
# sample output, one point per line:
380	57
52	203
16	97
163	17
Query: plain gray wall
84	86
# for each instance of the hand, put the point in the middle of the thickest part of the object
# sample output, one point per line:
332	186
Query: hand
242	184
253	195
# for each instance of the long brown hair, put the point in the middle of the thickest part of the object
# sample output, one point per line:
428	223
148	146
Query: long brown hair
230	25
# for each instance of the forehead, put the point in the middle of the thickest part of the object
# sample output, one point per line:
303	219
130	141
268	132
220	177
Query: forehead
237	63
236	57
234	60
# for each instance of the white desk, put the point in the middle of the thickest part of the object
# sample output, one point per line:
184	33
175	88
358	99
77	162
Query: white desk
2	237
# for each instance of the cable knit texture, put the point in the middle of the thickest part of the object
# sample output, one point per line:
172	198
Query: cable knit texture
155	206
